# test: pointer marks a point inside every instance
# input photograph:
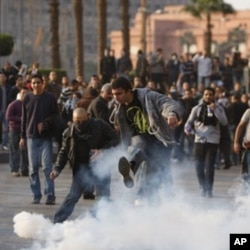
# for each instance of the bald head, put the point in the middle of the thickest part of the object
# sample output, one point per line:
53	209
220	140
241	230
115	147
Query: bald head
79	115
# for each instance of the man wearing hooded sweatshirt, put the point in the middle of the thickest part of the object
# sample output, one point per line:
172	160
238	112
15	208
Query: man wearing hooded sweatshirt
146	120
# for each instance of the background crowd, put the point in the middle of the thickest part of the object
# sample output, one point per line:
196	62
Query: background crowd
181	77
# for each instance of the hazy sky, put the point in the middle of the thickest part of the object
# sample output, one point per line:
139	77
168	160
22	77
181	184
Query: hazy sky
239	4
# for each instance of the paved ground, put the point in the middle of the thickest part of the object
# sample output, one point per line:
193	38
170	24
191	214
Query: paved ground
15	197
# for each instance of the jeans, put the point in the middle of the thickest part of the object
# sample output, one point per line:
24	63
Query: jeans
205	80
18	158
4	129
156	156
158	78
40	151
245	161
82	178
205	156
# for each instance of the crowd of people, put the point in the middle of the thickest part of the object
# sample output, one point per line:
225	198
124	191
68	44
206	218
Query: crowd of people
160	111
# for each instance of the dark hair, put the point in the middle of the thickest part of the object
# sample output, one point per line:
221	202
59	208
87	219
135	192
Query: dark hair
123	83
73	82
18	76
18	63
209	89
37	76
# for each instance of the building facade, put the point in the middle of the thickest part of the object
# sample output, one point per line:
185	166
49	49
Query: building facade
174	30
28	22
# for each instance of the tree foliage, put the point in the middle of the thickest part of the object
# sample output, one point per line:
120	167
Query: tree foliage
187	39
6	44
205	8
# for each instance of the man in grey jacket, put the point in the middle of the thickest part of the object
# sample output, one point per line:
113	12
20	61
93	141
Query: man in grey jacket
205	120
146	121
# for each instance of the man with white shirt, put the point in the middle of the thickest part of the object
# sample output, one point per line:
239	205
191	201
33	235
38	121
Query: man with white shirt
204	68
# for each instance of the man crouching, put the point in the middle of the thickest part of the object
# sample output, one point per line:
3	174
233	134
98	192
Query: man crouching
84	135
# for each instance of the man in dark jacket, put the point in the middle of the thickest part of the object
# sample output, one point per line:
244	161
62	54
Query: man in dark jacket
84	135
107	66
99	107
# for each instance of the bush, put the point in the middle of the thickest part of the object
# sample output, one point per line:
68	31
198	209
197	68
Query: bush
6	44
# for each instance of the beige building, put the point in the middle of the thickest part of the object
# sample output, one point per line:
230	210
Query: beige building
172	28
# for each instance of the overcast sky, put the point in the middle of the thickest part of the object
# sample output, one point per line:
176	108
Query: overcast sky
239	4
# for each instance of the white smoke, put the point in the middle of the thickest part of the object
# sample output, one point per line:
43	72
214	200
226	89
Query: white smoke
184	222
121	226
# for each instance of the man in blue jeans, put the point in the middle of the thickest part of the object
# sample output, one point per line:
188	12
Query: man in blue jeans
84	135
18	158
38	107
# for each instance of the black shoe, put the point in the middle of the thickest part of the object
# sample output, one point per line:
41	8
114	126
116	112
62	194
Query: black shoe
51	200
88	196
126	172
25	173
36	201
227	166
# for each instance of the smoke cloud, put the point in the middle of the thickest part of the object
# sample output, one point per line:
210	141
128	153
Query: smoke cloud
171	225
184	222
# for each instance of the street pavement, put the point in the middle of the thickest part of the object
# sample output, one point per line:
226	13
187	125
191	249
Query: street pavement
15	196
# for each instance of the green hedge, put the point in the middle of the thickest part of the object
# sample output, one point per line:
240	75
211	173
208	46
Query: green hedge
6	44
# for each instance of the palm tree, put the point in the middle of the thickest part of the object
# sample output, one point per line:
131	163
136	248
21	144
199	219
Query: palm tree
54	30
143	10
200	8
237	36
78	14
187	39
125	24
101	29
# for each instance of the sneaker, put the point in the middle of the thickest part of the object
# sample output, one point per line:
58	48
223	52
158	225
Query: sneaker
227	166
88	196
126	172
15	174
51	200
5	148
36	201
